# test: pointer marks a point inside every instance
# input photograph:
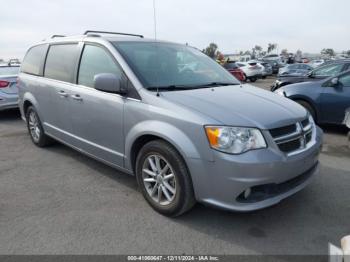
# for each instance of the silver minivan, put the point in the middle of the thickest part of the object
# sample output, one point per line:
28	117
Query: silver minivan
170	115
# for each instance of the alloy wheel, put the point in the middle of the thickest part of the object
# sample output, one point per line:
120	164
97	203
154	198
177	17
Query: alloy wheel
159	179
33	123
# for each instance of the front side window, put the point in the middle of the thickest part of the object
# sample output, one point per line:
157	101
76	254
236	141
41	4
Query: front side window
95	60
161	65
345	80
33	60
60	62
329	70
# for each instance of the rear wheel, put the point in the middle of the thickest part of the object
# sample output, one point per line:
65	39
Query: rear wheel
253	79
164	179
35	128
308	107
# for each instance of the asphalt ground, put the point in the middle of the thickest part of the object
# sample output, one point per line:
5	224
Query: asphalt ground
58	201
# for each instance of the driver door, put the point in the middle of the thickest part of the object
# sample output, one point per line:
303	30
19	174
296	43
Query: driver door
97	116
335	100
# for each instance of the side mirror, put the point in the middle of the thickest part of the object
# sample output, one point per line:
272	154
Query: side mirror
335	81
108	82
310	74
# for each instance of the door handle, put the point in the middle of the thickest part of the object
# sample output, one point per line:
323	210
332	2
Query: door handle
63	94
77	97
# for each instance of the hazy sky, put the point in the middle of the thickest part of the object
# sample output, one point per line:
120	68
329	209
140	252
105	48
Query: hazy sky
234	25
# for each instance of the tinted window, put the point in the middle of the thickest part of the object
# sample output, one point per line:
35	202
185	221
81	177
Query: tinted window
95	60
60	62
33	60
9	70
329	70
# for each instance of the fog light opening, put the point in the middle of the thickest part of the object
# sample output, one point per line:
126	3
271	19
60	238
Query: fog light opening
247	193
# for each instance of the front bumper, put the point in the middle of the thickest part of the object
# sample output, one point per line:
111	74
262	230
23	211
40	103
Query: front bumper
222	182
8	101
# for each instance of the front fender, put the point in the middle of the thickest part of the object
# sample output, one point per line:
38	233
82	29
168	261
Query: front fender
306	99
166	131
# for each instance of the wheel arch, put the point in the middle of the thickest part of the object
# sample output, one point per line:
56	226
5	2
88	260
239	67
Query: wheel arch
309	101
29	100
145	132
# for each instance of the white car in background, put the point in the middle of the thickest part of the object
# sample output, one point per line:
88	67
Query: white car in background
252	70
316	63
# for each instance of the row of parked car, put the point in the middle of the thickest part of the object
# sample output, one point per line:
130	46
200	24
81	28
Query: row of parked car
323	91
252	70
322	87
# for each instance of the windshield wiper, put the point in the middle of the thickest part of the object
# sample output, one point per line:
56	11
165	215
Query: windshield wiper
188	87
212	84
170	88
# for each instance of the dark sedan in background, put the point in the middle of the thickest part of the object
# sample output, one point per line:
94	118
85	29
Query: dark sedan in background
295	70
267	71
275	65
326	100
319	73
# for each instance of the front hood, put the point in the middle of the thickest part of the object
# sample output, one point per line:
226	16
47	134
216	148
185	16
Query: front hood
240	106
303	85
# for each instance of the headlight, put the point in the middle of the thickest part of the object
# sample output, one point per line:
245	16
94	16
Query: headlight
280	92
234	140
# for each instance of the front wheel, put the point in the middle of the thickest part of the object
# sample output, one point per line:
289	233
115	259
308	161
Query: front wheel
164	179
253	79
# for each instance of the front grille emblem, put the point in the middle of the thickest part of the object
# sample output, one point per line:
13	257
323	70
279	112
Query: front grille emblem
300	130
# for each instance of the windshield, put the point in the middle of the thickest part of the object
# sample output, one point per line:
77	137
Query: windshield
9	70
164	65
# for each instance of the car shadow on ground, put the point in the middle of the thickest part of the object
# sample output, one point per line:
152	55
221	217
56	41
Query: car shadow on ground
10	115
100	168
301	224
335	129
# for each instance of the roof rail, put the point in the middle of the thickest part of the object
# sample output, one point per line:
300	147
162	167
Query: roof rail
112	33
57	36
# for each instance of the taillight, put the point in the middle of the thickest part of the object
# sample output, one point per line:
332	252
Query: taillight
4	83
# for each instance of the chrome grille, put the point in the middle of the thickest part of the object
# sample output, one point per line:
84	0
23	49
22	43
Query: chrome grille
293	137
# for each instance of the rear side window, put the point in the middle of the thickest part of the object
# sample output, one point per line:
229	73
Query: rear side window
60	62
95	60
345	80
33	60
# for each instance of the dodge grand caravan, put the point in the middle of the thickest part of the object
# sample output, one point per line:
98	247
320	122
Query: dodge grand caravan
184	126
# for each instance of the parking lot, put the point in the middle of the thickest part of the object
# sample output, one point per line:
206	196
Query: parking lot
58	201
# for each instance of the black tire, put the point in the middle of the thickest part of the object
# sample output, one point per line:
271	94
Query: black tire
253	79
183	200
42	140
308	107
263	77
